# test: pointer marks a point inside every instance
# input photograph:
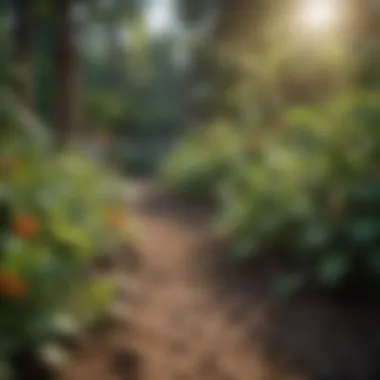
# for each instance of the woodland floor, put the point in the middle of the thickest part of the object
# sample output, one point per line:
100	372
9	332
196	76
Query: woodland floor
184	328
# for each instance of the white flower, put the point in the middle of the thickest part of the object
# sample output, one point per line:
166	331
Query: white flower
54	355
65	324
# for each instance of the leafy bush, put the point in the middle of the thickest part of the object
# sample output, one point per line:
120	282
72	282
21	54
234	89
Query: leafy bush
197	166
311	194
57	209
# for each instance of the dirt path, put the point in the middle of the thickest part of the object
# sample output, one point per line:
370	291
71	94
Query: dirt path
178	330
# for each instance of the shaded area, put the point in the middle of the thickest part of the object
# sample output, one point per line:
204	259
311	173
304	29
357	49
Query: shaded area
322	334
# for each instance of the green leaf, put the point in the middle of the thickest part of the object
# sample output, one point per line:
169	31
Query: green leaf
315	236
333	268
74	237
99	293
288	285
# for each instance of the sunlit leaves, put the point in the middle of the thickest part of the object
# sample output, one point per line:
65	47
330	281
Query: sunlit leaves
315	176
98	294
137	48
204	160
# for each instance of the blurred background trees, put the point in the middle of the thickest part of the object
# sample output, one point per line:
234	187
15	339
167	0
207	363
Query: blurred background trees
123	68
148	71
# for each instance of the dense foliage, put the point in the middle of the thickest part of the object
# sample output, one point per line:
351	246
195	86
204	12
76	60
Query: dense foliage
58	209
312	193
201	162
305	189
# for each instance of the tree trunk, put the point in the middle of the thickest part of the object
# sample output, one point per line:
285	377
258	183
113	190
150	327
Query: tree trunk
22	52
67	71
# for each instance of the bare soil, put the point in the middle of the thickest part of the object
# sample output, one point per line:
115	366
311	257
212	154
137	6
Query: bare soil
178	329
195	318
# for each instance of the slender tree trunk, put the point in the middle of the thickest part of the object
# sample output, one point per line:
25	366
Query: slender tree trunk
22	51
67	71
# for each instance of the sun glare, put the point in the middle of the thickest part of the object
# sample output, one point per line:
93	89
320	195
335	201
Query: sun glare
320	14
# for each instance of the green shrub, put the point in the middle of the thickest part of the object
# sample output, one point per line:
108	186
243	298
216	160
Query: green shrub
311	194
57	209
196	167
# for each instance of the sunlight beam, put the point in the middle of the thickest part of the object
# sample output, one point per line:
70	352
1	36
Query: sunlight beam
320	15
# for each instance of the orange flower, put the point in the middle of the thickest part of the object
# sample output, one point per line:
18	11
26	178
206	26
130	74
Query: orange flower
12	286
116	219
26	226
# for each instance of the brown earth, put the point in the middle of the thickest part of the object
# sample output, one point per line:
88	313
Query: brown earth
178	329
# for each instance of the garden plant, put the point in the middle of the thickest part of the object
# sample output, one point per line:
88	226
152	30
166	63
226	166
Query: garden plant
58	209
